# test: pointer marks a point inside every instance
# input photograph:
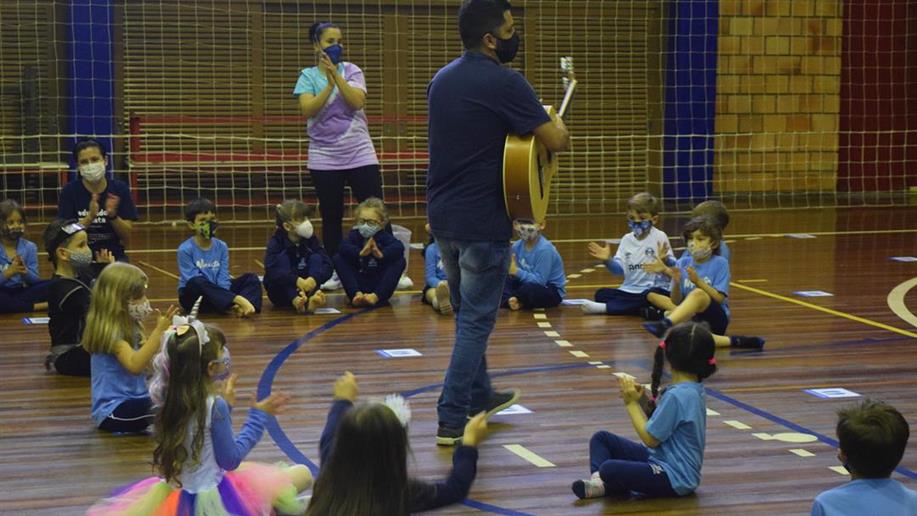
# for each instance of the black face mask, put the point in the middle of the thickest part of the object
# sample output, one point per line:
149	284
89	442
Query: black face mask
507	48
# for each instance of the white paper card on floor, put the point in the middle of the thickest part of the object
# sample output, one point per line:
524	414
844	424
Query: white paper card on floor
905	259
832	392
326	311
36	320
813	293
514	409
399	353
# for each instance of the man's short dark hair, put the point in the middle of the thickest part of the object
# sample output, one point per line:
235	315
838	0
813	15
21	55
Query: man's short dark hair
873	436
479	17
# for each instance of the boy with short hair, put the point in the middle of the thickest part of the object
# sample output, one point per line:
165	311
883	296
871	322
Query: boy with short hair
872	437
203	262
641	246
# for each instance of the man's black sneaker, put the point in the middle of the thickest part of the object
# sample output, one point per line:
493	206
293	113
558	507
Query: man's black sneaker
497	402
446	436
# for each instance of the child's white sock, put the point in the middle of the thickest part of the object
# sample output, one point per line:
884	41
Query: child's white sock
593	308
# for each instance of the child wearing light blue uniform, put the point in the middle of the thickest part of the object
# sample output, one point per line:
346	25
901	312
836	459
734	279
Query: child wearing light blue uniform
436	287
700	287
668	460
203	264
536	273
21	288
872	436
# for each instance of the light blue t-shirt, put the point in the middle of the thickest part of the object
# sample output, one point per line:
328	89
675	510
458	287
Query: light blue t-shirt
679	423
434	272
867	497
338	134
542	265
714	271
725	252
112	384
212	263
29	253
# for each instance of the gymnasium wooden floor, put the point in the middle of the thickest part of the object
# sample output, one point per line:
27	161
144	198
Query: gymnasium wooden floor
53	462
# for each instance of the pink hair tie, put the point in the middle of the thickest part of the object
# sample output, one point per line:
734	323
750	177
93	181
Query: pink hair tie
712	361
662	344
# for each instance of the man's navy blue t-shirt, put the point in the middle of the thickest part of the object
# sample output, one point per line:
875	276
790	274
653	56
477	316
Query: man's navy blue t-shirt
474	102
74	204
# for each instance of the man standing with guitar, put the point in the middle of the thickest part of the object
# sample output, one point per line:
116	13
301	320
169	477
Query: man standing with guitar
474	103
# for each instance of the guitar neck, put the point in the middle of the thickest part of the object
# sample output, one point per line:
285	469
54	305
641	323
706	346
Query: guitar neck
568	96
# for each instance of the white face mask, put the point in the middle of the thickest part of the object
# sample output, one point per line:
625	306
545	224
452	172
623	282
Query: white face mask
93	172
699	253
139	311
305	230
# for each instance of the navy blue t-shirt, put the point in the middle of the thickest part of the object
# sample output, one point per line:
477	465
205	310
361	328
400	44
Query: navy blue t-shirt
474	102
74	204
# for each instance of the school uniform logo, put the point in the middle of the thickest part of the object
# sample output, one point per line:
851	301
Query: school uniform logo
204	264
101	217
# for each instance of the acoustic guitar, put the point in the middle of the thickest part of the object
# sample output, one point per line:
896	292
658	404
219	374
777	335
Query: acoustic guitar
529	167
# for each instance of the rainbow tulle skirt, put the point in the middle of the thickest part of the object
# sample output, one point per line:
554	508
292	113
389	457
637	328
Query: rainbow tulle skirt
253	489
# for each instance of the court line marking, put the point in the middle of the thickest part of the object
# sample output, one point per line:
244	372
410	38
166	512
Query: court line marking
826	310
529	456
895	301
157	269
581	240
802	452
789	424
738	425
840	470
579	354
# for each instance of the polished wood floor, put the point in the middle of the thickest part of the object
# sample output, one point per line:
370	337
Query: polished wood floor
53	462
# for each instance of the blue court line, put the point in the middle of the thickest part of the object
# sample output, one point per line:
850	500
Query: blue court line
287	447
267	380
791	425
775	353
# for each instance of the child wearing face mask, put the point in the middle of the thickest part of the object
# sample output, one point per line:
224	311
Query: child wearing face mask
120	353
203	263
104	206
21	289
199	462
370	260
536	271
295	263
699	288
69	296
642	245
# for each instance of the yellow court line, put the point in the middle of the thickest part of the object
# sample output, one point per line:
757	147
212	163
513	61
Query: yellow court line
737	424
802	452
830	311
895	301
752	281
569	287
157	269
529	455
840	470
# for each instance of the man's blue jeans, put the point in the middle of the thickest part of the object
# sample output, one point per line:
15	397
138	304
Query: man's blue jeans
476	272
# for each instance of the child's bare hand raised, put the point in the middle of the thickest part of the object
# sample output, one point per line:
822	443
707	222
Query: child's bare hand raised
630	392
163	321
345	387
600	252
273	404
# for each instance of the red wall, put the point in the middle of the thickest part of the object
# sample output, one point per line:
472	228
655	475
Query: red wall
878	118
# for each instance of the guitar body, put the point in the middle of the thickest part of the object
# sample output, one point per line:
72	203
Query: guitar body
528	168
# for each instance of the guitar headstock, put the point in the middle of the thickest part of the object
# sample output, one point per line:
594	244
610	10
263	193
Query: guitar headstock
566	66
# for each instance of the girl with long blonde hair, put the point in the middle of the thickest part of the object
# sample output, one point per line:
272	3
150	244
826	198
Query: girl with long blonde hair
120	353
